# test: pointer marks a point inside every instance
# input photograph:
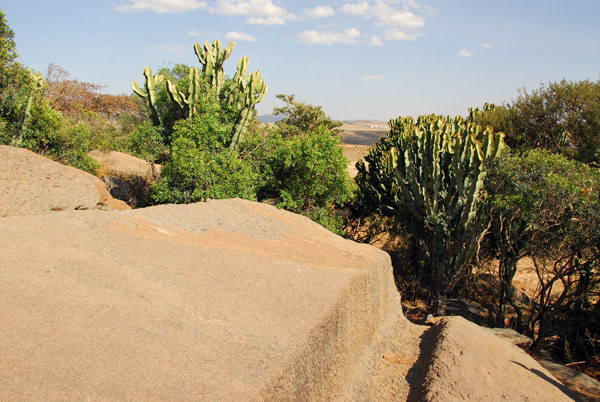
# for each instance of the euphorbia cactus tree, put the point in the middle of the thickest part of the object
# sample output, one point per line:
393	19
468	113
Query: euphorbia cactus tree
212	59
151	84
439	166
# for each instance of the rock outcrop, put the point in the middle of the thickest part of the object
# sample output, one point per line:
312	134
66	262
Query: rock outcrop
226	300
31	184
470	363
126	177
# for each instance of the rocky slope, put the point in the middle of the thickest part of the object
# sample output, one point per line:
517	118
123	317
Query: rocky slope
224	300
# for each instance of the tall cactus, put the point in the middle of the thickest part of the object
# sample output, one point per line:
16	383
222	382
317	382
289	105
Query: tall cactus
187	103
151	84
242	93
439	165
37	80
253	91
212	59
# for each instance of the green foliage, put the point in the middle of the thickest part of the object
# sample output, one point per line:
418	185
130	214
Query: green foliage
109	118
562	117
17	88
302	171
37	84
305	173
547	207
439	165
50	134
301	117
8	50
146	142
202	166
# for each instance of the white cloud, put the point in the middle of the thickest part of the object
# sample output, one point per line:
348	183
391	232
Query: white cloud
375	41
373	77
469	53
356	8
390	16
191	32
260	12
314	37
248	7
403	19
161	6
241	36
400	17
275	20
170	49
397	34
320	12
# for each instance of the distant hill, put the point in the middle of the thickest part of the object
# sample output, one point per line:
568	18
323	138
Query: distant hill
269	118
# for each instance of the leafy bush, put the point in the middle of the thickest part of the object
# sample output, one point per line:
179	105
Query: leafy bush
301	164
305	173
201	165
146	142
300	117
547	207
49	133
562	117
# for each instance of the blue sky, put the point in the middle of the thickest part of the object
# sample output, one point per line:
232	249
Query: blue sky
359	59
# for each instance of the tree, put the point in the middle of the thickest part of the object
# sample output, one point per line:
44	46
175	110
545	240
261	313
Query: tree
562	117
300	117
201	165
547	207
16	87
8	50
301	163
109	118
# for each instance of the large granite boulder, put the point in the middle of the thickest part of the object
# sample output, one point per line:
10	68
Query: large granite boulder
225	300
31	184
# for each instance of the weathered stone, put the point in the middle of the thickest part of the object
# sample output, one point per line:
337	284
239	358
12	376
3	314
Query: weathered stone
31	184
582	384
126	177
470	363
225	300
512	336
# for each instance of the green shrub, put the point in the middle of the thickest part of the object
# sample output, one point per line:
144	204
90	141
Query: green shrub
196	174
146	142
562	117
49	133
547	207
201	165
305	171
301	164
